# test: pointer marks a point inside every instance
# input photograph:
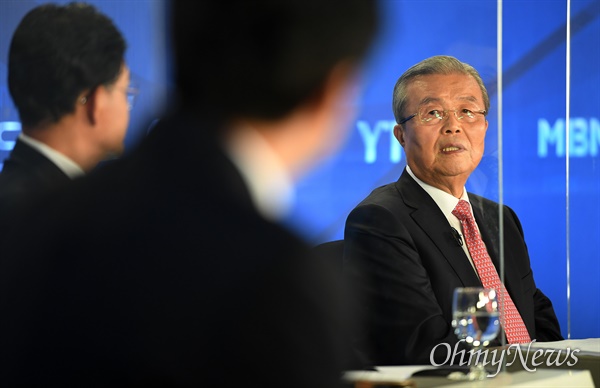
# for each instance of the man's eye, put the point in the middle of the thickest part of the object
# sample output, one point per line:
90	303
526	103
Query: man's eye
468	112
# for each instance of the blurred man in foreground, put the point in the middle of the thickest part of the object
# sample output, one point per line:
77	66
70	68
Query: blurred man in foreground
167	268
403	249
69	81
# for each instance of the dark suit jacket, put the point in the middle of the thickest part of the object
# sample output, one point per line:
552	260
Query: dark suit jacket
404	261
158	271
25	174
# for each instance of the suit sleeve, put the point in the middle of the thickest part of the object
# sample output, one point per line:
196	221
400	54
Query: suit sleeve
401	319
546	324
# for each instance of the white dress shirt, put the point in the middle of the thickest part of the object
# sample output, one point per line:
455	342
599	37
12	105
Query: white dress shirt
267	179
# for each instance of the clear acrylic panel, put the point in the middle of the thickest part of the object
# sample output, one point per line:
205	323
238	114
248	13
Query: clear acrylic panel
553	188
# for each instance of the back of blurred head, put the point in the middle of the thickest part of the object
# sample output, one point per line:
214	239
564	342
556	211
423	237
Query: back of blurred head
282	68
262	58
58	52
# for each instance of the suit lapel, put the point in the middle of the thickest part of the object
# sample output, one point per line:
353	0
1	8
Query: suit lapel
428	216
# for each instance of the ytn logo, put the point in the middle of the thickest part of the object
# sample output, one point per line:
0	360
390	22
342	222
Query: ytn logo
383	130
8	126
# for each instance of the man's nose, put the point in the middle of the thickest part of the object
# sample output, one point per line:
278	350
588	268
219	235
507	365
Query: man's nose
451	122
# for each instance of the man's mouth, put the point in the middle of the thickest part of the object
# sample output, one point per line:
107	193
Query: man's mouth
450	149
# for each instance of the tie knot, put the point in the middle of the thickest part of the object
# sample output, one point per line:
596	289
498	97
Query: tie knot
462	210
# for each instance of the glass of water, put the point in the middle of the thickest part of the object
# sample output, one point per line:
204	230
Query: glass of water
476	320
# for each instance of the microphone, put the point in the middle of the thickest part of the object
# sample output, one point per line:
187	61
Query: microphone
457	237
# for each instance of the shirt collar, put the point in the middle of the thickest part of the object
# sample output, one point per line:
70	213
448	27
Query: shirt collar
66	164
445	201
268	181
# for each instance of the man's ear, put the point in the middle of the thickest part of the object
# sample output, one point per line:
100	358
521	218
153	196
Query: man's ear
341	81
332	105
89	102
399	134
95	101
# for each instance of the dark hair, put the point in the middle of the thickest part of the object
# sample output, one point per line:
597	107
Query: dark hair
262	58
439	64
56	53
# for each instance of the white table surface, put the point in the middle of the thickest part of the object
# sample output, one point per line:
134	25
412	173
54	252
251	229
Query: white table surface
539	378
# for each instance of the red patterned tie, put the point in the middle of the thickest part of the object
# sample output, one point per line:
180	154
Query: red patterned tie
513	325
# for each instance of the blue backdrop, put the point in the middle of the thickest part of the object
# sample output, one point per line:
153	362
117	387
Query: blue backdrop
533	133
558	206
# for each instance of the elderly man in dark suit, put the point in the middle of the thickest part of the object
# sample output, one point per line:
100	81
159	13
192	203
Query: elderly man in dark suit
406	249
68	80
169	267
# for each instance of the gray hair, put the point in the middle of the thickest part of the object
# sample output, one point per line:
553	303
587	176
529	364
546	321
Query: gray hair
440	64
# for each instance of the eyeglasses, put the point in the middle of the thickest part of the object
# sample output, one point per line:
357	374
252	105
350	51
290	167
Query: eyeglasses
131	92
432	114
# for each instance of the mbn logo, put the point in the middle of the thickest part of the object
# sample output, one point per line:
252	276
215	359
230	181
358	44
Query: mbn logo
584	137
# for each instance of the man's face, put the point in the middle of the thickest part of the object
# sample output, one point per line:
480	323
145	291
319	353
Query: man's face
450	149
115	116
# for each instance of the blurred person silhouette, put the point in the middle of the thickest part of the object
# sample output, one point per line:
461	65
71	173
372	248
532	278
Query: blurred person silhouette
69	82
405	249
169	266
